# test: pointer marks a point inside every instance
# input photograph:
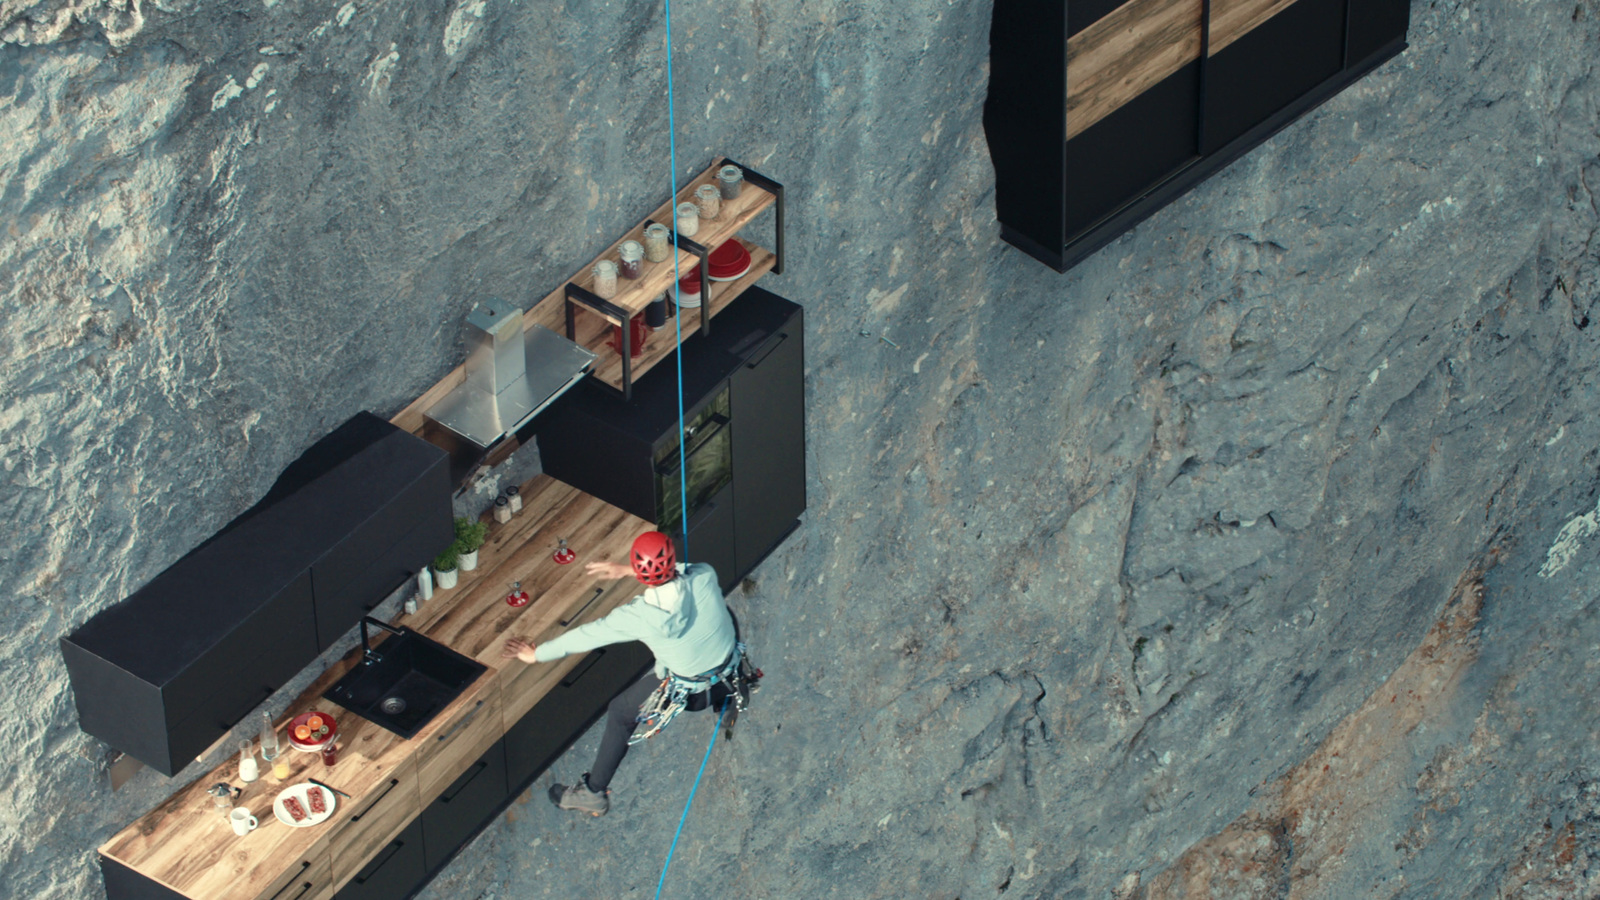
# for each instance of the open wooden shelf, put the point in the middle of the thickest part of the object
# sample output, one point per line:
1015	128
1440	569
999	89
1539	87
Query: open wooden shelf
592	329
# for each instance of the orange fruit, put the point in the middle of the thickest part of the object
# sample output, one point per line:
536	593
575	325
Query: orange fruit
314	723
301	732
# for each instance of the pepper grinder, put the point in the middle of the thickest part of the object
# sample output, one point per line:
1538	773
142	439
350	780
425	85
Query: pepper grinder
518	597
563	554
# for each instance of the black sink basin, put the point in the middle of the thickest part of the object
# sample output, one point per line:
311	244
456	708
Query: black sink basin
405	681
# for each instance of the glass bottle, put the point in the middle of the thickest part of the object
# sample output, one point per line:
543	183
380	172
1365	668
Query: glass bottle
632	256
730	179
657	242
605	279
248	770
709	198
688	219
269	738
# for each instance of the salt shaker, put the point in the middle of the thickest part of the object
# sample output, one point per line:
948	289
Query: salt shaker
730	179
709	198
656	242
502	510
632	256
688	219
605	279
514	499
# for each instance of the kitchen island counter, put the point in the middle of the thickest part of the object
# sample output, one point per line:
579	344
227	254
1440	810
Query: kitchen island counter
185	845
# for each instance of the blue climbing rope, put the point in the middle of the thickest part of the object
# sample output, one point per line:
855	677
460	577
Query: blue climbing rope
681	819
683	453
677	298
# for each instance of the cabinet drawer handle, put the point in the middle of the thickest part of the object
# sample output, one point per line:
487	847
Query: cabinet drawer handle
761	354
461	783
462	723
372	869
589	603
583	668
303	887
393	783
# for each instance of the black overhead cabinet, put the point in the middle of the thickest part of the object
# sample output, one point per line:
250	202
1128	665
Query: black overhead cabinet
744	433
1099	112
167	671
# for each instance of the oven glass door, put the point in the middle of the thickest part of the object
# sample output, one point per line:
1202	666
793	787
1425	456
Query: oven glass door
709	441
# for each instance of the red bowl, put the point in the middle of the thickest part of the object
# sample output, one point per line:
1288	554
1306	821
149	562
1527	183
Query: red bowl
302	719
728	260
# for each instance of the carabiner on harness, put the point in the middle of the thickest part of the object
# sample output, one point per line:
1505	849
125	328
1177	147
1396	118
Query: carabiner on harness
671	697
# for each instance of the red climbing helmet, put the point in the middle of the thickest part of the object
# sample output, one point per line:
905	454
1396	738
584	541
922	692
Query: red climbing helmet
654	558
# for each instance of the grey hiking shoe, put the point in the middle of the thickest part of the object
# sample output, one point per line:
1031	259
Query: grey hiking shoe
579	798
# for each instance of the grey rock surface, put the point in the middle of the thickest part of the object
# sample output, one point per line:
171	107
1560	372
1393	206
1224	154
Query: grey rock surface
1254	557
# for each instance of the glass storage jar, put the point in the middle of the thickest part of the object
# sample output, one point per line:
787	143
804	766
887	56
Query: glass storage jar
657	242
730	179
605	279
688	219
632	259
709	198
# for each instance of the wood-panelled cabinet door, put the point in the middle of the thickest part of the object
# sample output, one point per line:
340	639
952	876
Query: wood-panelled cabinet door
459	741
378	818
310	879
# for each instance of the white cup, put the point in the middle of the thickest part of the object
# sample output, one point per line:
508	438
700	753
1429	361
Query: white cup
243	823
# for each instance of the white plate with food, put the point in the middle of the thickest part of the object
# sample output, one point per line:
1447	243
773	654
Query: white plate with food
304	805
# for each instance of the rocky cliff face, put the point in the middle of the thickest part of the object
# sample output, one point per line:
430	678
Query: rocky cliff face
1251	558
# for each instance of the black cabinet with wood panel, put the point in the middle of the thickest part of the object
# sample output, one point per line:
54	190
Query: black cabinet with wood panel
464	807
1101	112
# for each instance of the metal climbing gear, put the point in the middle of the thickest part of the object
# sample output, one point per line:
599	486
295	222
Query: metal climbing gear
671	697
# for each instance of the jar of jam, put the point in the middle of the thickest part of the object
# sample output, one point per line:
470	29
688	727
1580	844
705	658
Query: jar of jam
657	242
631	255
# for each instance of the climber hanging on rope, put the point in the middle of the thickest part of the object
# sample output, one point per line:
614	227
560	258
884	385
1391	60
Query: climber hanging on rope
682	617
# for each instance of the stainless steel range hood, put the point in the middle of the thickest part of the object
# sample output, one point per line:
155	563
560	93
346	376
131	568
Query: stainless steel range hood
511	374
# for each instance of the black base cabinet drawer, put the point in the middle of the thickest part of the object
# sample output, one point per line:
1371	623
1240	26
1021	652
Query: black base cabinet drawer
395	872
464	806
571	706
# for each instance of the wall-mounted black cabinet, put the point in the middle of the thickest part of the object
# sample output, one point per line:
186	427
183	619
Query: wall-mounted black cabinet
1099	112
744	432
167	671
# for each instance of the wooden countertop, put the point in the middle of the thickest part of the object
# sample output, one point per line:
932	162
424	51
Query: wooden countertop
187	845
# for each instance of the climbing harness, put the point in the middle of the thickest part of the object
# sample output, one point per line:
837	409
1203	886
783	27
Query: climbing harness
671	696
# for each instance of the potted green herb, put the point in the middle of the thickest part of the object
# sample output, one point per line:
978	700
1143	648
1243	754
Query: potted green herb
444	566
470	536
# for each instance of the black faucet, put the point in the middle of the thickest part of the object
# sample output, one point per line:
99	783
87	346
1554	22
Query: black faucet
369	655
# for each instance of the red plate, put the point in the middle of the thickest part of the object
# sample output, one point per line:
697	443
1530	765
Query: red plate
316	742
729	259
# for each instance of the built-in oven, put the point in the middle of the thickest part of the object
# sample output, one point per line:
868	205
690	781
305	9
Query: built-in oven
707	444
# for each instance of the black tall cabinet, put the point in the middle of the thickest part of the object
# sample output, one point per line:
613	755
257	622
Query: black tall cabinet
1101	112
744	415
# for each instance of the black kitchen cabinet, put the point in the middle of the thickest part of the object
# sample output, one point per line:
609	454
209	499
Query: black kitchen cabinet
167	671
1101	112
744	414
398	869
469	802
768	407
547	730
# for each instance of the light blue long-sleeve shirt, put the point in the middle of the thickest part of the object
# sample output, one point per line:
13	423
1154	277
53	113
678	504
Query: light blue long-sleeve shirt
684	622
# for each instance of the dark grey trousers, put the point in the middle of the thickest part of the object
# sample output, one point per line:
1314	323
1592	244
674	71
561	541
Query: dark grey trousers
621	717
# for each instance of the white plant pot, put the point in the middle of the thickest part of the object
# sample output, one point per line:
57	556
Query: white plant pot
425	584
469	561
446	578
